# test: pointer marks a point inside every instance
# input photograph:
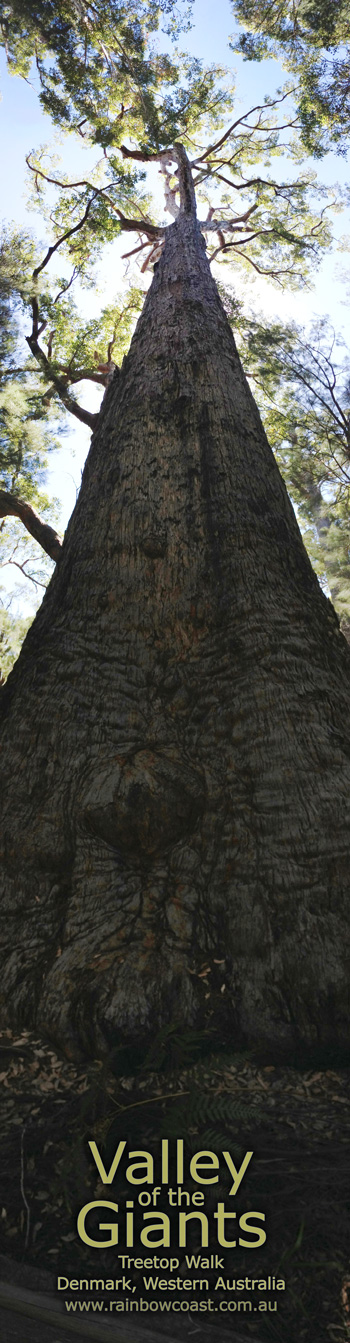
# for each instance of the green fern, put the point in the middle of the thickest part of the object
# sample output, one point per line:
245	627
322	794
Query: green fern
174	1048
203	1111
206	1107
213	1140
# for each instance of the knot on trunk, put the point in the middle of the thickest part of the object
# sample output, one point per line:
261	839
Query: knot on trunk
154	544
146	803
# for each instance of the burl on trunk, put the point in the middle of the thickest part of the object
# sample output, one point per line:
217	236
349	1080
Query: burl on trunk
176	730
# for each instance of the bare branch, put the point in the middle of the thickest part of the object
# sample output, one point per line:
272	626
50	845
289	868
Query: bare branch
23	570
153	256
67	286
54	181
12	506
139	248
137	154
50	340
286	270
85	416
141	226
229	225
81	375
63	238
260	107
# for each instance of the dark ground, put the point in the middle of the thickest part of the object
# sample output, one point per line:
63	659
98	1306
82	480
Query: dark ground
296	1122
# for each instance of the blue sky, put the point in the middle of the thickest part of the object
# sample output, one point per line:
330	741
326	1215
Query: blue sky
23	126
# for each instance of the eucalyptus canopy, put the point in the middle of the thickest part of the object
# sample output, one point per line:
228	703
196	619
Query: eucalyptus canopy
311	38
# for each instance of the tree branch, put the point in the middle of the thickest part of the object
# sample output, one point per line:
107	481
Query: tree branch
63	238
138	154
186	188
85	416
87	375
141	226
230	225
178	154
12	506
260	107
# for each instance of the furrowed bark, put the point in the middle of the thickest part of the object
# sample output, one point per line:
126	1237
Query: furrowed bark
181	803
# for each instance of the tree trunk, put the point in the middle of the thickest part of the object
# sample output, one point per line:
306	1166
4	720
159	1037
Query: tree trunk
177	726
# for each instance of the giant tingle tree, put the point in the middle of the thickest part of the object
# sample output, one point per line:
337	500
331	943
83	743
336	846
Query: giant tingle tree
176	730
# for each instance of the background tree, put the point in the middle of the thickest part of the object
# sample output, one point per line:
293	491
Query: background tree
27	435
311	38
34	398
301	380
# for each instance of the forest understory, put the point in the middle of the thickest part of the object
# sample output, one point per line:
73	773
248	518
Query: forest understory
296	1122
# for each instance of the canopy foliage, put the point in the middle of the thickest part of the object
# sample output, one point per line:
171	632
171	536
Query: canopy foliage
101	71
311	38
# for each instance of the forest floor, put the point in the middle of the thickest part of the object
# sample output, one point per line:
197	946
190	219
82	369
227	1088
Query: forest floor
297	1123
